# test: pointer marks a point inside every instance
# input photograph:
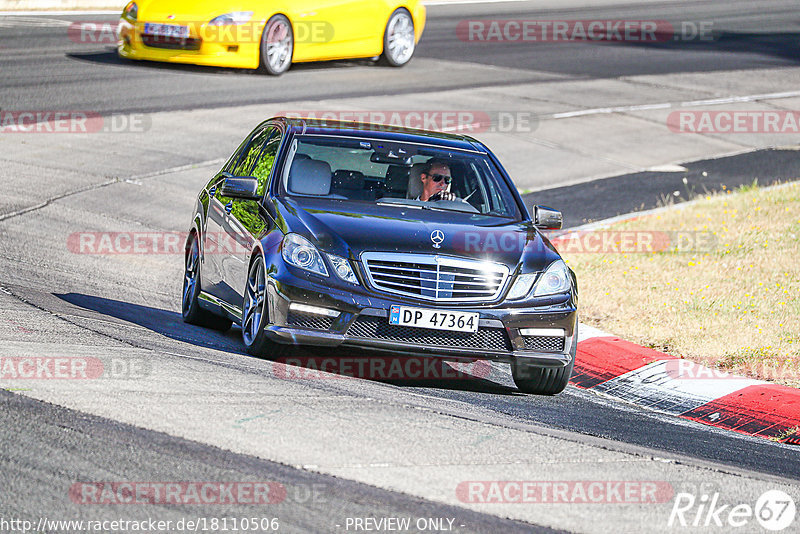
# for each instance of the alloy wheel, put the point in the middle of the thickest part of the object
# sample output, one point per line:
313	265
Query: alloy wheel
255	296
400	38
190	275
278	45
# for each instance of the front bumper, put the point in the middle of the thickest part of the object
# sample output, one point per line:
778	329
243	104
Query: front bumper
206	46
362	320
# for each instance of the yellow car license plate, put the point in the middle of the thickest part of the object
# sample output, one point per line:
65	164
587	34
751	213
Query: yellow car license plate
166	30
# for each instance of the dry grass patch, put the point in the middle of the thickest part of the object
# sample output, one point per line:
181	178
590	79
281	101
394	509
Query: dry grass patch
732	304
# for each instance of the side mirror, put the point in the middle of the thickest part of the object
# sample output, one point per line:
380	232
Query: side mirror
546	218
243	187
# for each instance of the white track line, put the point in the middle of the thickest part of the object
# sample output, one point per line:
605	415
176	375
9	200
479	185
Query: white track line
667	105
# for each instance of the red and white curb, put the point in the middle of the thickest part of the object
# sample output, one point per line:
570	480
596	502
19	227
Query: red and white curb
646	377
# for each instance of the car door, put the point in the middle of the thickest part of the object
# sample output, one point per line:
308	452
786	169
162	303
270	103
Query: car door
218	244
330	29
210	275
247	221
367	22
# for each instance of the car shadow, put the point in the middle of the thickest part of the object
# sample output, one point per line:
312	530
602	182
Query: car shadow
396	369
167	323
110	57
305	363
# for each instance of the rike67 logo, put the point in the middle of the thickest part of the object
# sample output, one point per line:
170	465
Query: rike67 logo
774	511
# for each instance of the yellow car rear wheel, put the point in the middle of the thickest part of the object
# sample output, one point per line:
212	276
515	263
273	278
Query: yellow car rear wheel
277	45
398	39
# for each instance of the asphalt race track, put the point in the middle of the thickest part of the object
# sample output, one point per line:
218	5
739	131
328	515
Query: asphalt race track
60	70
187	404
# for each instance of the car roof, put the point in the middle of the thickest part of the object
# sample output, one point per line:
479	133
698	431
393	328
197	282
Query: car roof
379	131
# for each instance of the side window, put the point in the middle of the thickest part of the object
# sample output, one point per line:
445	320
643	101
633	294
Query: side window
235	157
266	161
250	153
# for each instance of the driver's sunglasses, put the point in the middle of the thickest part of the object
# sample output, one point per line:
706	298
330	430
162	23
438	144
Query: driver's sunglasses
439	177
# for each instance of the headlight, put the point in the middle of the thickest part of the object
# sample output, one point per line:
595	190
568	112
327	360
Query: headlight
131	11
522	286
298	251
555	279
342	268
236	17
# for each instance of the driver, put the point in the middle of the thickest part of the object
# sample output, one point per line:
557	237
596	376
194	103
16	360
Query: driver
436	179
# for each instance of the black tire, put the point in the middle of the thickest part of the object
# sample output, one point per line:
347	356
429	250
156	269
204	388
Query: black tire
255	315
277	46
398	39
542	380
190	309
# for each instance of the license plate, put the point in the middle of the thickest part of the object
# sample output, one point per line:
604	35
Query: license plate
166	30
437	319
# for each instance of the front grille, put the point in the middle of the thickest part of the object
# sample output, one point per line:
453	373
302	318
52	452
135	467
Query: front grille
370	327
309	320
544	343
431	277
173	43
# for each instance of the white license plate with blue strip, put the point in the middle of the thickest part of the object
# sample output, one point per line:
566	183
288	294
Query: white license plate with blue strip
452	321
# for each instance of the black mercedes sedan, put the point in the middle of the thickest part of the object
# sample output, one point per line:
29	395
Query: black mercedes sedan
323	233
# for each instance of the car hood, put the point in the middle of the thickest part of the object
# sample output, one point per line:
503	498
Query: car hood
199	11
348	229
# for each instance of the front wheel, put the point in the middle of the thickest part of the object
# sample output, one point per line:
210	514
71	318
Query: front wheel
277	46
542	380
255	315
398	39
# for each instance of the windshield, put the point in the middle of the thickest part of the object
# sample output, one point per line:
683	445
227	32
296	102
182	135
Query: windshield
391	173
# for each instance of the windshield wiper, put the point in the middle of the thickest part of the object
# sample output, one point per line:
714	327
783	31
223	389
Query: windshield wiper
427	206
437	208
400	205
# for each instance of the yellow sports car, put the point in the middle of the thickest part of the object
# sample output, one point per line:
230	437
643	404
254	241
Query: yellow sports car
270	35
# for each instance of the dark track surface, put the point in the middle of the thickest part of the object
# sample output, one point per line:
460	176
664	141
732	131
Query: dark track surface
42	69
65	446
601	199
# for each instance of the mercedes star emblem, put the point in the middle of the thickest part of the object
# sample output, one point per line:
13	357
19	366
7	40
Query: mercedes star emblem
437	236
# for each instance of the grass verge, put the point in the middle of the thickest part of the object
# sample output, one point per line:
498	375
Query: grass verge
716	281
